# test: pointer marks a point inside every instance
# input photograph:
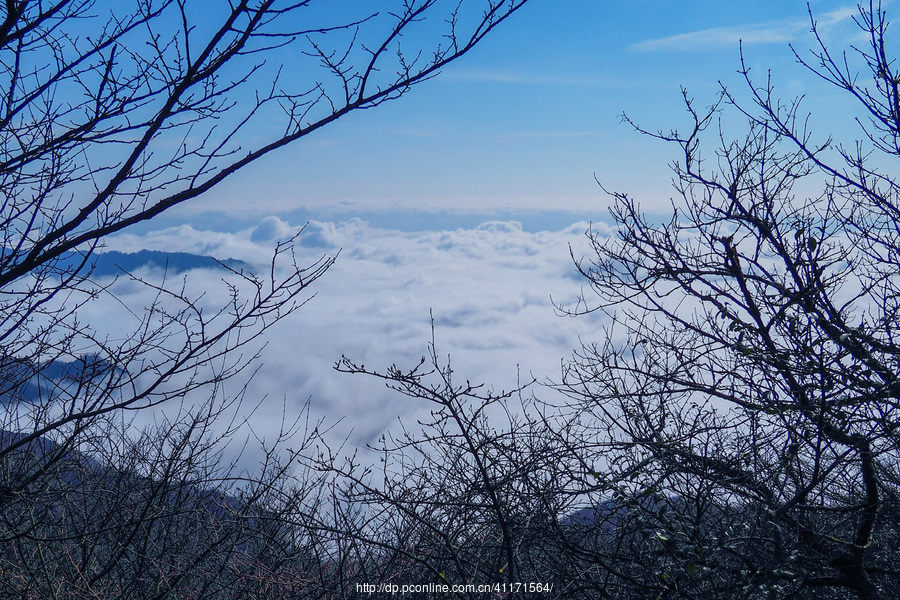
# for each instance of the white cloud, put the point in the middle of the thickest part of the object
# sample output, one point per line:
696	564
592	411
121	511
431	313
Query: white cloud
770	32
488	289
271	229
718	37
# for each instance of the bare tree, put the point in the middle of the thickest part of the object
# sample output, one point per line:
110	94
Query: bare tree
110	114
164	513
744	405
462	499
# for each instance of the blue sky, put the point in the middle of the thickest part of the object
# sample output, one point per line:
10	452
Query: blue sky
519	127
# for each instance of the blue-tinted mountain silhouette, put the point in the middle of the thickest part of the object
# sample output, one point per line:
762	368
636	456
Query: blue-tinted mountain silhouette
110	262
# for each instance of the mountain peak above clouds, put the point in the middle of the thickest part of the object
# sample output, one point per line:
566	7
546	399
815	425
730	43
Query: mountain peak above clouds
111	262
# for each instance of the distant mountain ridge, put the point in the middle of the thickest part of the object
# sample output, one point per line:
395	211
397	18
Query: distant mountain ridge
112	262
109	263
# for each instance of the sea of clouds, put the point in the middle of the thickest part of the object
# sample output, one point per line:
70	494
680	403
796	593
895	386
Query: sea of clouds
492	292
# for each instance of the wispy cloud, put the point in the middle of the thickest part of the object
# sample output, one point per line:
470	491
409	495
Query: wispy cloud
769	32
